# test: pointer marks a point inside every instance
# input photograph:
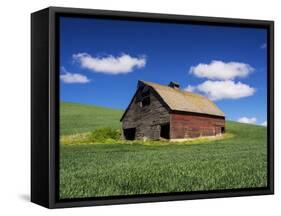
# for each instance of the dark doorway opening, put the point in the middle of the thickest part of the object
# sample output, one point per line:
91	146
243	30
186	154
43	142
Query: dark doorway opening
165	131
129	133
222	130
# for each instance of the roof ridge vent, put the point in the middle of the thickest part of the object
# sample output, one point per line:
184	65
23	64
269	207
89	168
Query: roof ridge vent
174	85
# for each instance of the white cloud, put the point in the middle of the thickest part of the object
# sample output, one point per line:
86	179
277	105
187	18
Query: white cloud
251	120
190	88
110	64
219	70
70	78
247	120
263	46
218	90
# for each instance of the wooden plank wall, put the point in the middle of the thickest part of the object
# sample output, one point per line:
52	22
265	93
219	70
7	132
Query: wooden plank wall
191	126
146	120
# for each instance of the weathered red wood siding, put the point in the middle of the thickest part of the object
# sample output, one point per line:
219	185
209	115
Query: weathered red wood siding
194	125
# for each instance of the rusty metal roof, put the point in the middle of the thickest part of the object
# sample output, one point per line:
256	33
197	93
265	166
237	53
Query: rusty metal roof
179	100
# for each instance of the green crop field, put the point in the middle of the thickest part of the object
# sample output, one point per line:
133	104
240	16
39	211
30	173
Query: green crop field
77	118
124	168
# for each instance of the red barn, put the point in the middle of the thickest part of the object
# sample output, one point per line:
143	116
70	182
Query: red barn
157	111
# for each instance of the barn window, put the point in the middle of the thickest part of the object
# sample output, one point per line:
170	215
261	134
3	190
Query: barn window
129	133
145	101
145	93
165	131
145	98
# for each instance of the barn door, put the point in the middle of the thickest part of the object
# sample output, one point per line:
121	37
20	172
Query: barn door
165	131
129	133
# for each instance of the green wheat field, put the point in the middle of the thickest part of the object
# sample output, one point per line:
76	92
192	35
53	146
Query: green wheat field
94	162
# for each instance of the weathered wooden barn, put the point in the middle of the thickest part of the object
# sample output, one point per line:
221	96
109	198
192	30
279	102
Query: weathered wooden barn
157	111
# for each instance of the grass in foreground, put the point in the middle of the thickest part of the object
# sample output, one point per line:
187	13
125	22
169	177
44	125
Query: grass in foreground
93	170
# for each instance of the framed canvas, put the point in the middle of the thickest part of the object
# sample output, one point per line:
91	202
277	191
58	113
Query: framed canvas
139	107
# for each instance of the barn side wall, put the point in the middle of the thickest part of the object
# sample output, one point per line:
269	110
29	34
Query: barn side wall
146	120
194	125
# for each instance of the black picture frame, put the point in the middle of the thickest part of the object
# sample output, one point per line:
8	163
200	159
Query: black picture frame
45	101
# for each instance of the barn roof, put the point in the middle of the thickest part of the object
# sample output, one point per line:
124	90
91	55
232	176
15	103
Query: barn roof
179	100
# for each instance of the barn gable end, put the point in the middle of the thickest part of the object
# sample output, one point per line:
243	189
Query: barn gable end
145	120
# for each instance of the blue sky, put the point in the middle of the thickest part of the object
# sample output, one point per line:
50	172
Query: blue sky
102	60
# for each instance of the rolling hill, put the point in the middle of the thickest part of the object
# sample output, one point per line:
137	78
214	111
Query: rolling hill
78	118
